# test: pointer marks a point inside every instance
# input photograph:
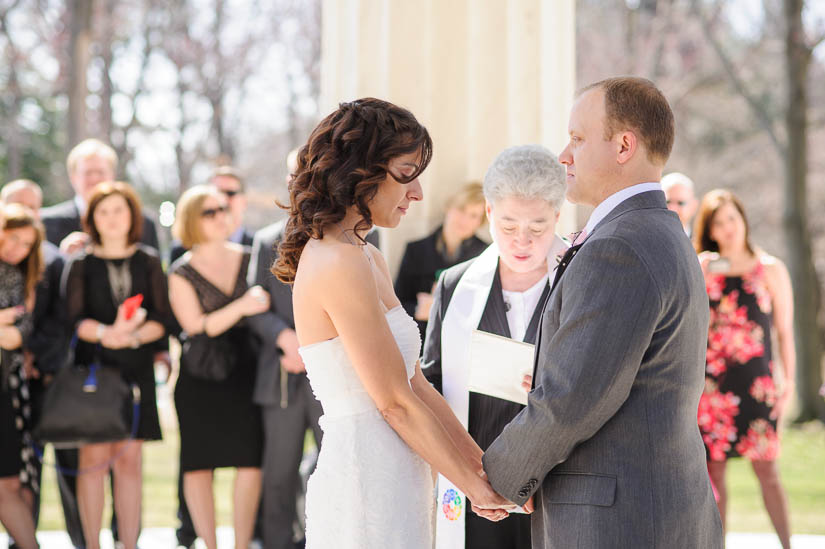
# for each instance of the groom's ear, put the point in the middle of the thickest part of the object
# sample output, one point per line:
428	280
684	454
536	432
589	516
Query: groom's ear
627	144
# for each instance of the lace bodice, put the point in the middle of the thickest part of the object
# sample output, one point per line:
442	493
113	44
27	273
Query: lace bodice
333	378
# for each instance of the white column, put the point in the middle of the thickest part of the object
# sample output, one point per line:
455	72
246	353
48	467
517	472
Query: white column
482	75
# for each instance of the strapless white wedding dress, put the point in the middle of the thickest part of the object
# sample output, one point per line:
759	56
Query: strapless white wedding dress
369	489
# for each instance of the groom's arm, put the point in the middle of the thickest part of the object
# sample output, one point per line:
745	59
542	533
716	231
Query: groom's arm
610	306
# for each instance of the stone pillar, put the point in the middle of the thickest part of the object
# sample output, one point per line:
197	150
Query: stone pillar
482	75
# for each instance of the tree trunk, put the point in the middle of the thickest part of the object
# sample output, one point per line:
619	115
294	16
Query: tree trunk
81	13
795	219
106	43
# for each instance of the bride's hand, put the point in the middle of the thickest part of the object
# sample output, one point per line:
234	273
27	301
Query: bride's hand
488	503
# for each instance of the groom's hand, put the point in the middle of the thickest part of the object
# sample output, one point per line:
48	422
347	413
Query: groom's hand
496	515
530	505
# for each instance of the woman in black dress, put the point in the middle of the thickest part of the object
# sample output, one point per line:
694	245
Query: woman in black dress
220	426
750	298
450	244
20	268
97	282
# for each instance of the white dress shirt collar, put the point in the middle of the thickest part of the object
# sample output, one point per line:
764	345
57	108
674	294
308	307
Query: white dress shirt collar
80	204
610	203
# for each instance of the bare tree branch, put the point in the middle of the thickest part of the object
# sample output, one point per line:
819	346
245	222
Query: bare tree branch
762	118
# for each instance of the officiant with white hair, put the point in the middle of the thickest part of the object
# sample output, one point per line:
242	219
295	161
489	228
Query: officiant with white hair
484	319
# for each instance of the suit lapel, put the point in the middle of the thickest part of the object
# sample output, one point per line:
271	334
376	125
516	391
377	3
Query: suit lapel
494	317
535	320
641	201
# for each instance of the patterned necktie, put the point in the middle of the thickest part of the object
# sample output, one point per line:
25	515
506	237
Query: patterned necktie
578	238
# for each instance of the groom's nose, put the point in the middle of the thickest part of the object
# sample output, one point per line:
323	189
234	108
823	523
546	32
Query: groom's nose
566	157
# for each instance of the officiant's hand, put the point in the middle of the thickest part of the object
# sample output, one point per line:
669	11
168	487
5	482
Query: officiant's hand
527	383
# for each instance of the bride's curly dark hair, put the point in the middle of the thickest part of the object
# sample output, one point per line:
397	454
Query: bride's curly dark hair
344	161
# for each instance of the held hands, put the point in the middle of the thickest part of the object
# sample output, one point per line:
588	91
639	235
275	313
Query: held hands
488	503
254	301
291	361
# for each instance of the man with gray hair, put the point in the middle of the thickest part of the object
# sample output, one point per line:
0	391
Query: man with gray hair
500	292
680	198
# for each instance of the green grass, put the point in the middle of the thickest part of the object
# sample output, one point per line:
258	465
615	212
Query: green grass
802	466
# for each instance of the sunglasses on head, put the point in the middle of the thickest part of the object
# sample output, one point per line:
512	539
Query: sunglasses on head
230	193
211	213
680	203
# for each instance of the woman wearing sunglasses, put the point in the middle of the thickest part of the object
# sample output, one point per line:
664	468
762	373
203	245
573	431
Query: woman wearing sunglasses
219	424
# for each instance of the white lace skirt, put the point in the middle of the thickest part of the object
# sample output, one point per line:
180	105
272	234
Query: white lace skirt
369	490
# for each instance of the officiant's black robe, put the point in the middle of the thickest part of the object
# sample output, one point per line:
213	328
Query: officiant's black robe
487	415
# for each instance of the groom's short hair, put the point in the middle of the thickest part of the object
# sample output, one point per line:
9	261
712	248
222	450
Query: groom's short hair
636	104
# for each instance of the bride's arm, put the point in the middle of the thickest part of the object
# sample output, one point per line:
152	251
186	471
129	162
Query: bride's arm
439	407
348	294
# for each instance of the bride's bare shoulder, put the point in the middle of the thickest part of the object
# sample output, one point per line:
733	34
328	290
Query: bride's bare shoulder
327	264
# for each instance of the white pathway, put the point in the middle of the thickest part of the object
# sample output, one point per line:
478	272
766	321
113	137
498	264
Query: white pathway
164	538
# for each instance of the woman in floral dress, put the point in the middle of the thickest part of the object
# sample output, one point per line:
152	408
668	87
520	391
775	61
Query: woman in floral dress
750	295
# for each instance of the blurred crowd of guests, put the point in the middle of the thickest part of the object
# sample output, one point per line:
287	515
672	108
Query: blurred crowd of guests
66	270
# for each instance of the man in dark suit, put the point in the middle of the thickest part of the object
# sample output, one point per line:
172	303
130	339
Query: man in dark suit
47	344
284	394
89	163
230	183
608	445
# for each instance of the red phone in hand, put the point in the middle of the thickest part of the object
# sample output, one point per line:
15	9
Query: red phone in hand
131	305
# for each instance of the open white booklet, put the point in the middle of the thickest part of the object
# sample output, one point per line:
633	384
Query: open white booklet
498	365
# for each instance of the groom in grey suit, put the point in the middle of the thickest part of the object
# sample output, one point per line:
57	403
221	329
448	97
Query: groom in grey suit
608	445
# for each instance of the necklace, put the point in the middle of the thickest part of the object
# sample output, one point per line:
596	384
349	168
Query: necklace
120	280
343	232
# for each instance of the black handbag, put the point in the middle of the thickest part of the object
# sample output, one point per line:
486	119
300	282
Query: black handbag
88	404
208	358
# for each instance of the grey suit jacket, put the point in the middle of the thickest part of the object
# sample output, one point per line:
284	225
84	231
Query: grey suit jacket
609	441
268	389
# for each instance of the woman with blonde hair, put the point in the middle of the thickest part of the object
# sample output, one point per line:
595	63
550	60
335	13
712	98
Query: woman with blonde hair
453	242
20	269
750	300
220	426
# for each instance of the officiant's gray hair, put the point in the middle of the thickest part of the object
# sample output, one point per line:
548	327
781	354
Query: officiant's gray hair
526	171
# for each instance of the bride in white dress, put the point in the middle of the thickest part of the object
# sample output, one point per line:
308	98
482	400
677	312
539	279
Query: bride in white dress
384	425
